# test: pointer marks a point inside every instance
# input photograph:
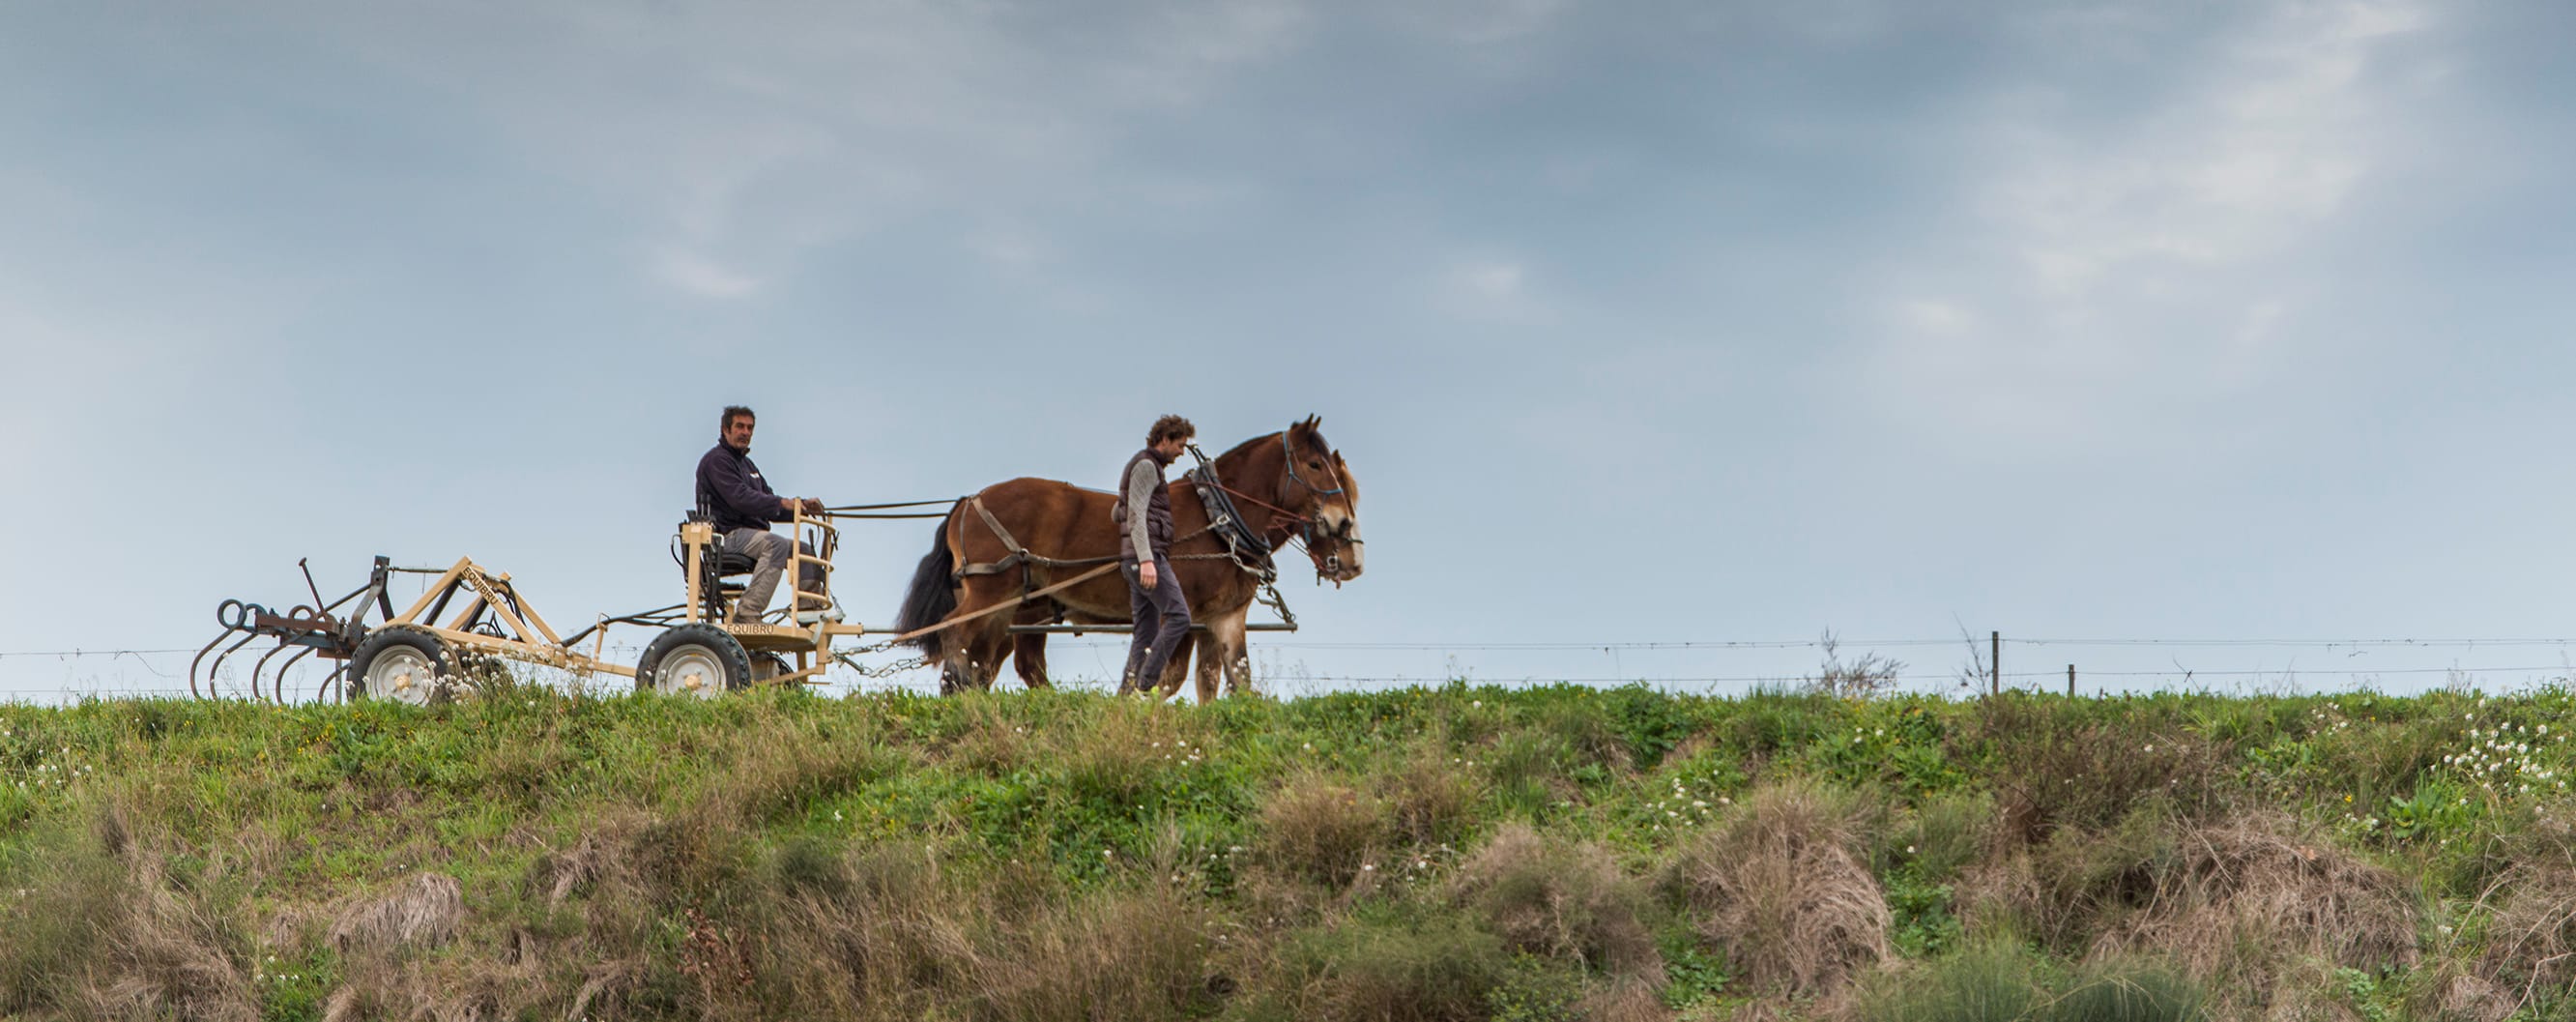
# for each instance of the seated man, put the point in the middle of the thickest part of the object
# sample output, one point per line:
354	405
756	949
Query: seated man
731	490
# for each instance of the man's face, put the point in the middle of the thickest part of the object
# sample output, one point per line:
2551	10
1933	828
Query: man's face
1172	446
737	432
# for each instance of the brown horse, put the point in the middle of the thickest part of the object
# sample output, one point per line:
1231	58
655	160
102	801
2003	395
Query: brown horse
1289	484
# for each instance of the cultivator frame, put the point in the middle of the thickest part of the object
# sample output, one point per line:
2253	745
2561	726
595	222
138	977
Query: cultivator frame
424	653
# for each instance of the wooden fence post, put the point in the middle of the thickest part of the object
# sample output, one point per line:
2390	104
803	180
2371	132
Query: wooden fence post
2070	681
1995	661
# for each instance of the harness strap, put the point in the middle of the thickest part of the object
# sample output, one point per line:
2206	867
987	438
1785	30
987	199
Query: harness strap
995	524
1000	607
1020	555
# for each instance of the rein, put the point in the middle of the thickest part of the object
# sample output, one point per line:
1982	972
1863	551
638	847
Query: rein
1258	502
1288	457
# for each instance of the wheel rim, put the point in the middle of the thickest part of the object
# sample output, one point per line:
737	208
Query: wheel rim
402	674
690	670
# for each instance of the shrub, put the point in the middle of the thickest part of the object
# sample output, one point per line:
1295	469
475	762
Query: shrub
1129	954
1529	771
1869	677
1320	832
1989	982
1943	834
2531	940
1995	981
1440	968
423	913
1651	723
109	930
1432	801
1536	990
1780	884
878	934
1561	900
2055	768
1771	721
2117	992
2258	906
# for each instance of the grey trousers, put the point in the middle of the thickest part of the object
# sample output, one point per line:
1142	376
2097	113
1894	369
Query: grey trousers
772	551
1162	617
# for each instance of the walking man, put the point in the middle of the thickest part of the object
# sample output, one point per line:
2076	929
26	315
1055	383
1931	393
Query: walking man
731	490
1143	514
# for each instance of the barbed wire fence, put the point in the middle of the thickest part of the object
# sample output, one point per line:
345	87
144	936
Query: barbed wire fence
1282	667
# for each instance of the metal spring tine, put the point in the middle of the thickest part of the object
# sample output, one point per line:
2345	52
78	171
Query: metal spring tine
279	679
217	667
338	695
201	656
264	658
233	615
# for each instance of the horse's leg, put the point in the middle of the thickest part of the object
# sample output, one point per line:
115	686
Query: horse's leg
1030	649
1238	662
971	659
1223	650
1177	670
1210	657
992	646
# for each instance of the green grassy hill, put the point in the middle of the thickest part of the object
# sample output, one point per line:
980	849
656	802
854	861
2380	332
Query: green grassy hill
1460	853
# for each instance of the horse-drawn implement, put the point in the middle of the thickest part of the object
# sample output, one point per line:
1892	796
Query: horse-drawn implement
427	654
1010	565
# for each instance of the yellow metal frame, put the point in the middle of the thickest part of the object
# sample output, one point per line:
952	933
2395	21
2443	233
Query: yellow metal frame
810	645
532	640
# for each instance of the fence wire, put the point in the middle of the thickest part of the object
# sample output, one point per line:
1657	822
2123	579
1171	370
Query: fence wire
164	676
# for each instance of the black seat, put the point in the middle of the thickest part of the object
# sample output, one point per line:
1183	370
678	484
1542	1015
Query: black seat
728	562
718	593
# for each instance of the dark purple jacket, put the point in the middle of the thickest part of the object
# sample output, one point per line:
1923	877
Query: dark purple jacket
731	489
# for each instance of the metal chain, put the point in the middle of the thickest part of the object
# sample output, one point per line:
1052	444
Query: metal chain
849	659
1270	598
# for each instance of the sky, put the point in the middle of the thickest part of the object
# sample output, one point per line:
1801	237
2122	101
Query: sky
1667	338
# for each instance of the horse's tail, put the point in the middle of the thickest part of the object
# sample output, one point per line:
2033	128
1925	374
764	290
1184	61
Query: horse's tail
933	594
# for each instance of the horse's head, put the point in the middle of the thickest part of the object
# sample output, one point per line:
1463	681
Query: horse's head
1315	482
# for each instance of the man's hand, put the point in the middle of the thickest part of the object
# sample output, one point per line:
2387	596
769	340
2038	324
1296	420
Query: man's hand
1145	574
813	506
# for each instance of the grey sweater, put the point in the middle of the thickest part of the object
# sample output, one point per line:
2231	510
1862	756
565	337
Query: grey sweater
1143	479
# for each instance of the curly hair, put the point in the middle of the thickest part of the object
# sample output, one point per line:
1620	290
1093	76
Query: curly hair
1170	426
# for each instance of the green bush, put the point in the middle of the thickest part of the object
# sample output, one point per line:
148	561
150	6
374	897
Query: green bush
1989	982
1997	981
1430	967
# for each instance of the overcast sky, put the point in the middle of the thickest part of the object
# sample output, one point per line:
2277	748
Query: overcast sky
1642	322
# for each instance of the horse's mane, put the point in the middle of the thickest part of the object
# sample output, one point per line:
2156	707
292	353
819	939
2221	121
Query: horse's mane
1242	447
1317	434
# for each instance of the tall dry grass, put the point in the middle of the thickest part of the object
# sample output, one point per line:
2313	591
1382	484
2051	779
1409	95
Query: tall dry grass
110	928
2260	907
1782	885
1560	899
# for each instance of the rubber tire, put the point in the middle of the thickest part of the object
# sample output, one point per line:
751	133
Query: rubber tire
442	661
729	656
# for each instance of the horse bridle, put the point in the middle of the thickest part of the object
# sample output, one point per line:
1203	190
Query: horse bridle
1288	456
1290	447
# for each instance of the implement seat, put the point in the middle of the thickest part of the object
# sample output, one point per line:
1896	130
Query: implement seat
726	571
